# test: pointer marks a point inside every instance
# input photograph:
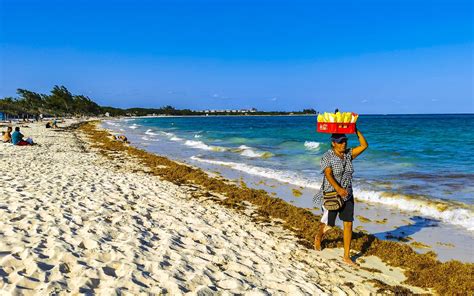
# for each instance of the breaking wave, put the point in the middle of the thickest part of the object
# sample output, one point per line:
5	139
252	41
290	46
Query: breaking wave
312	145
251	152
203	146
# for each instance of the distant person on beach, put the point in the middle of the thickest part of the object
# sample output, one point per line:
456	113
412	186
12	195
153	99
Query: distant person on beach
17	138
336	164
121	138
7	136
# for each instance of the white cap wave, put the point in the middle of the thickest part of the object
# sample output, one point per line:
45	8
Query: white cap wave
145	138
312	145
282	176
252	153
150	132
203	146
171	136
112	123
444	211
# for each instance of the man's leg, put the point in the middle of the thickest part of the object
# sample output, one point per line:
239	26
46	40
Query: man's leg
319	237
347	243
327	221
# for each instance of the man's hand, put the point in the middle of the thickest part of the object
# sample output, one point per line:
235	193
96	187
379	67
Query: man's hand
342	192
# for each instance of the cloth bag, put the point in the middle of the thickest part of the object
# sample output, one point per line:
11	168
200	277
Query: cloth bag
332	201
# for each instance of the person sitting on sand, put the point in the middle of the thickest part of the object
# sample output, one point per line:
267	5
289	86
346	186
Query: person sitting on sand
17	138
54	124
336	164
121	138
7	136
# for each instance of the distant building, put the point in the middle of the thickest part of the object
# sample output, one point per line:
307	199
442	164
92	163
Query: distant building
229	111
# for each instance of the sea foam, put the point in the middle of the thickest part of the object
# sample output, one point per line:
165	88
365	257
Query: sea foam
145	138
447	212
282	176
167	134
312	145
202	145
150	132
112	123
252	153
171	136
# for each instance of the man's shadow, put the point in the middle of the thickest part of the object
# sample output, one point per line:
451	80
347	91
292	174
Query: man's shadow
401	233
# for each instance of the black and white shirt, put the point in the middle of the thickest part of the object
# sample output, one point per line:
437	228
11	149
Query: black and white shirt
342	171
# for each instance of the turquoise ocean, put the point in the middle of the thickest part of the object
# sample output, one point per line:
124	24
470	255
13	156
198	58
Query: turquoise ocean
419	163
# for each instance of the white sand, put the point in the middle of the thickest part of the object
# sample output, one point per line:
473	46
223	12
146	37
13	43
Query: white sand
71	221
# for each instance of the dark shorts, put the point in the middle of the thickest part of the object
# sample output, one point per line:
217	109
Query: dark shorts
346	213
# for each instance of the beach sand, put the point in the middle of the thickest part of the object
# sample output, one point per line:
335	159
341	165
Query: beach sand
73	221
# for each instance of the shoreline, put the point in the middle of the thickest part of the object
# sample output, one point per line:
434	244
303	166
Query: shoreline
395	253
151	203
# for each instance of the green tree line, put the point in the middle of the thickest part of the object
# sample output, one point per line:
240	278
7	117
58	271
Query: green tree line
60	102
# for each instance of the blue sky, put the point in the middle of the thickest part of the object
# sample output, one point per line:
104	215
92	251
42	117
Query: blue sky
363	56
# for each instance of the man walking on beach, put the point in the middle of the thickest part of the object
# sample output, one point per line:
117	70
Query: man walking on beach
336	164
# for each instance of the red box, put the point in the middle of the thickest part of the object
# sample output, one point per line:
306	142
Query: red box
336	128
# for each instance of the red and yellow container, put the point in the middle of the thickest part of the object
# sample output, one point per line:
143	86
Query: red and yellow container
336	128
337	123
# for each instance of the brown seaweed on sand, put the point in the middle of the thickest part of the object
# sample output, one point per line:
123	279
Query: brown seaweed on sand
385	289
296	193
